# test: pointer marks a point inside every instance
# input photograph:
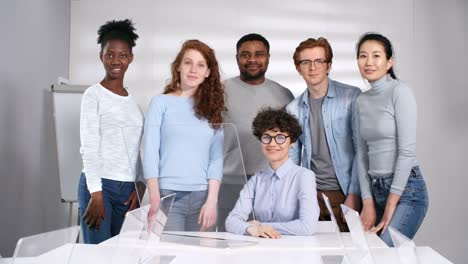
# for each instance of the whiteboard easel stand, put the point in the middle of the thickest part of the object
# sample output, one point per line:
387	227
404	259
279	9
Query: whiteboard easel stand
67	101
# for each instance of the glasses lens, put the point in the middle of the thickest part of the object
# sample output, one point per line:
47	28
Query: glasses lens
280	139
319	63
305	63
265	139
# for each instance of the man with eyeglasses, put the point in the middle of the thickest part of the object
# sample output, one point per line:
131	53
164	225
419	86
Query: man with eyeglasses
246	94
326	113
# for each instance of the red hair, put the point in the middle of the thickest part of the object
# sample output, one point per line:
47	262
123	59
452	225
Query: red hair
209	97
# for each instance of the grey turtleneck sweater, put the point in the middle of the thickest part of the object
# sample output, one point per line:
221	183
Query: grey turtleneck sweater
386	134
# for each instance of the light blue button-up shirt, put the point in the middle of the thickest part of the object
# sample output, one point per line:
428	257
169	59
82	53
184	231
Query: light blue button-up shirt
338	119
285	199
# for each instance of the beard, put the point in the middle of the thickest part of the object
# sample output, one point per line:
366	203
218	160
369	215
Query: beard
251	77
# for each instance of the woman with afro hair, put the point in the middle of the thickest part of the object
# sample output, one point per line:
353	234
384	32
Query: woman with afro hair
111	126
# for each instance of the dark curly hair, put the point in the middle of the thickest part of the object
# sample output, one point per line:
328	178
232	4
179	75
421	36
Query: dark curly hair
117	30
270	119
209	97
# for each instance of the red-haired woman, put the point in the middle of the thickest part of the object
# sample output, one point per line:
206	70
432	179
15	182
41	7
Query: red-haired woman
183	140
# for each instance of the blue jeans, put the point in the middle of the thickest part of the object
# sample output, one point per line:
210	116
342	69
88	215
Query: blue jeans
114	193
185	210
411	208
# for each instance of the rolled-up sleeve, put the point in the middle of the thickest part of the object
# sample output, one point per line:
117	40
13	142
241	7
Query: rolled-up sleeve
152	139
215	167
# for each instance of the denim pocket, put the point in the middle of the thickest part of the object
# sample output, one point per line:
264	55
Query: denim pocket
415	192
381	188
383	183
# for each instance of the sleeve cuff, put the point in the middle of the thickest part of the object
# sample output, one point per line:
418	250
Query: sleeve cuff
396	191
354	190
243	229
93	189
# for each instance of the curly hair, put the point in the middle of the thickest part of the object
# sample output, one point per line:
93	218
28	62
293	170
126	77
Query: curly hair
271	119
121	30
209	97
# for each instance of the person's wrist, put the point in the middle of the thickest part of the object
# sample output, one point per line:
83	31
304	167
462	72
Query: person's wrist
369	202
96	195
155	201
251	230
212	201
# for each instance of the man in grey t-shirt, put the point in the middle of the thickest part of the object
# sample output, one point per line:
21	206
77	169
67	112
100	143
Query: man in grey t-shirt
246	94
325	112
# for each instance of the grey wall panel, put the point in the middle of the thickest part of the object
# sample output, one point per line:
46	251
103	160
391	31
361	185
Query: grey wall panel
35	49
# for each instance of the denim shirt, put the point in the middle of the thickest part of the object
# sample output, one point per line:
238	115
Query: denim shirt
338	118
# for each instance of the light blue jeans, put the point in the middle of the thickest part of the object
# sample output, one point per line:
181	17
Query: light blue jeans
411	209
185	210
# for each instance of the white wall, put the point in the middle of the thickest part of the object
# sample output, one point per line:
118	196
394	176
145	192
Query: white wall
429	38
163	26
34	50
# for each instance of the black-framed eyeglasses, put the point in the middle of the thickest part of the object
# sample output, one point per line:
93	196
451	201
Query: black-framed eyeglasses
318	63
279	138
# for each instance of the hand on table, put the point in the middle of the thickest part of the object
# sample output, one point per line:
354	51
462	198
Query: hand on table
264	231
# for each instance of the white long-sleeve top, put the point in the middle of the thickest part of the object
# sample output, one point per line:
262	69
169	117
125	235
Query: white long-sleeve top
110	132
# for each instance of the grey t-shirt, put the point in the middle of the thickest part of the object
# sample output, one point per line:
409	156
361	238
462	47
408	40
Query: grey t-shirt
321	163
243	102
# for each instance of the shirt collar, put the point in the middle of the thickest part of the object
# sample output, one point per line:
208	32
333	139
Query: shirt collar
331	88
282	171
330	93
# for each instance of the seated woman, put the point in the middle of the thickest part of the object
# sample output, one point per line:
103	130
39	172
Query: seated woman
283	196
